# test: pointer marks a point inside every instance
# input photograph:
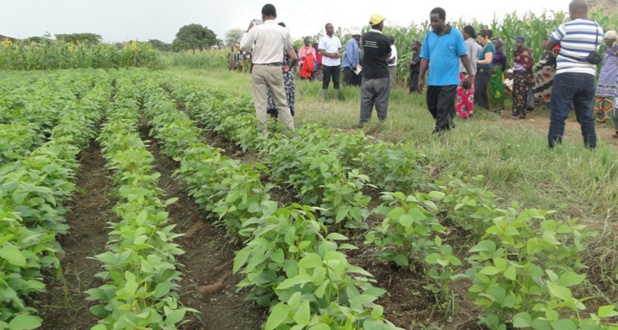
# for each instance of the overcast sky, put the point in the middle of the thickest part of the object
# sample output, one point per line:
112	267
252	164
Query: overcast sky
120	20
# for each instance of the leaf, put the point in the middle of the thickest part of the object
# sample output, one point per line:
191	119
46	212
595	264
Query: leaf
570	279
25	322
174	316
298	279
406	220
486	245
490	270
437	195
563	325
311	260
254	208
559	291
131	284
241	259
342	212
607	311
163	289
13	255
303	314
401	260
278	315
432	258
336	237
522	320
360	300
511	273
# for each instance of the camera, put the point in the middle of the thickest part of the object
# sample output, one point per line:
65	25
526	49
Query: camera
257	21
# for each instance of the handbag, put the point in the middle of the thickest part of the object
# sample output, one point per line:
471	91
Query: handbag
593	57
530	99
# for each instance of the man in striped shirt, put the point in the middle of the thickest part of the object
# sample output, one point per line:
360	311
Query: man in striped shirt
574	80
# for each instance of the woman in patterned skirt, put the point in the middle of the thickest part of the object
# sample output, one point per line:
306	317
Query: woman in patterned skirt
465	96
604	107
522	80
496	83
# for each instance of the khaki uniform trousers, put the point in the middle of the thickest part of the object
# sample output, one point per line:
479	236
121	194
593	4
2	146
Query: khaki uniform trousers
264	77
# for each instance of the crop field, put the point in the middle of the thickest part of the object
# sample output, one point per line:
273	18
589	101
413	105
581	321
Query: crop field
137	192
134	199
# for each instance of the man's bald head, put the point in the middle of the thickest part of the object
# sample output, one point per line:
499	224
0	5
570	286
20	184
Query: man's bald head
580	6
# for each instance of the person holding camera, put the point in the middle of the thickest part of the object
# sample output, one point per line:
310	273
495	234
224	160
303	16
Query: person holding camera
579	40
269	42
443	47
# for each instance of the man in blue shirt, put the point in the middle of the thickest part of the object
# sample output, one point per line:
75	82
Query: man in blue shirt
351	58
442	48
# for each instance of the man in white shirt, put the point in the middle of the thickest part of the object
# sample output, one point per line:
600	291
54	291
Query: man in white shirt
330	48
392	63
269	42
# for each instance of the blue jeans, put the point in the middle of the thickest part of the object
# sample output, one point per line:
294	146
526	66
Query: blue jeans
576	89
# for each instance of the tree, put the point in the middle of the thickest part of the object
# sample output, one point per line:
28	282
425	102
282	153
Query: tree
232	37
160	45
194	36
80	37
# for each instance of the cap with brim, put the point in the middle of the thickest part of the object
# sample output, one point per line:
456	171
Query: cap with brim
355	33
610	35
376	19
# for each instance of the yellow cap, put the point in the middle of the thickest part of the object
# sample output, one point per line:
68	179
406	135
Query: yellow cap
376	19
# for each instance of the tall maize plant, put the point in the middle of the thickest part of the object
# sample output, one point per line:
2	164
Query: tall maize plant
24	55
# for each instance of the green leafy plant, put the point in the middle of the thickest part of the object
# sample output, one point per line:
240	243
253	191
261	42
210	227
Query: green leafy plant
409	229
527	264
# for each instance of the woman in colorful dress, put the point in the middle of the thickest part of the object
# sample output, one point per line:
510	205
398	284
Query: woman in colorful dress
604	107
496	83
465	96
288	83
522	80
544	76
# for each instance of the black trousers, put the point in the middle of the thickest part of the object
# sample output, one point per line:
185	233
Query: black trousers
331	71
481	98
441	104
413	86
351	78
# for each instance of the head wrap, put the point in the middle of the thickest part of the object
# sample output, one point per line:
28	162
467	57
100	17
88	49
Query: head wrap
521	38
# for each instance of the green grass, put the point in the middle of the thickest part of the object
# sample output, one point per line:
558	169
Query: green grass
512	155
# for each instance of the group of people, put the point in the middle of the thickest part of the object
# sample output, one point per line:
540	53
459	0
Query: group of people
464	70
238	60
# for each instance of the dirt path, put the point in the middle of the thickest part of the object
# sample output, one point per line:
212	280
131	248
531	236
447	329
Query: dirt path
208	284
64	305
539	121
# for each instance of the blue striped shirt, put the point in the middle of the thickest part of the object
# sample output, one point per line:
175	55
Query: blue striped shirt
577	39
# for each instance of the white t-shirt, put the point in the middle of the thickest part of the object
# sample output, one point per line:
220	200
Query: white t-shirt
473	54
330	45
393	55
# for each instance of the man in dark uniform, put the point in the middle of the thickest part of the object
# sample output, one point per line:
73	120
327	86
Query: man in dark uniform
375	87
